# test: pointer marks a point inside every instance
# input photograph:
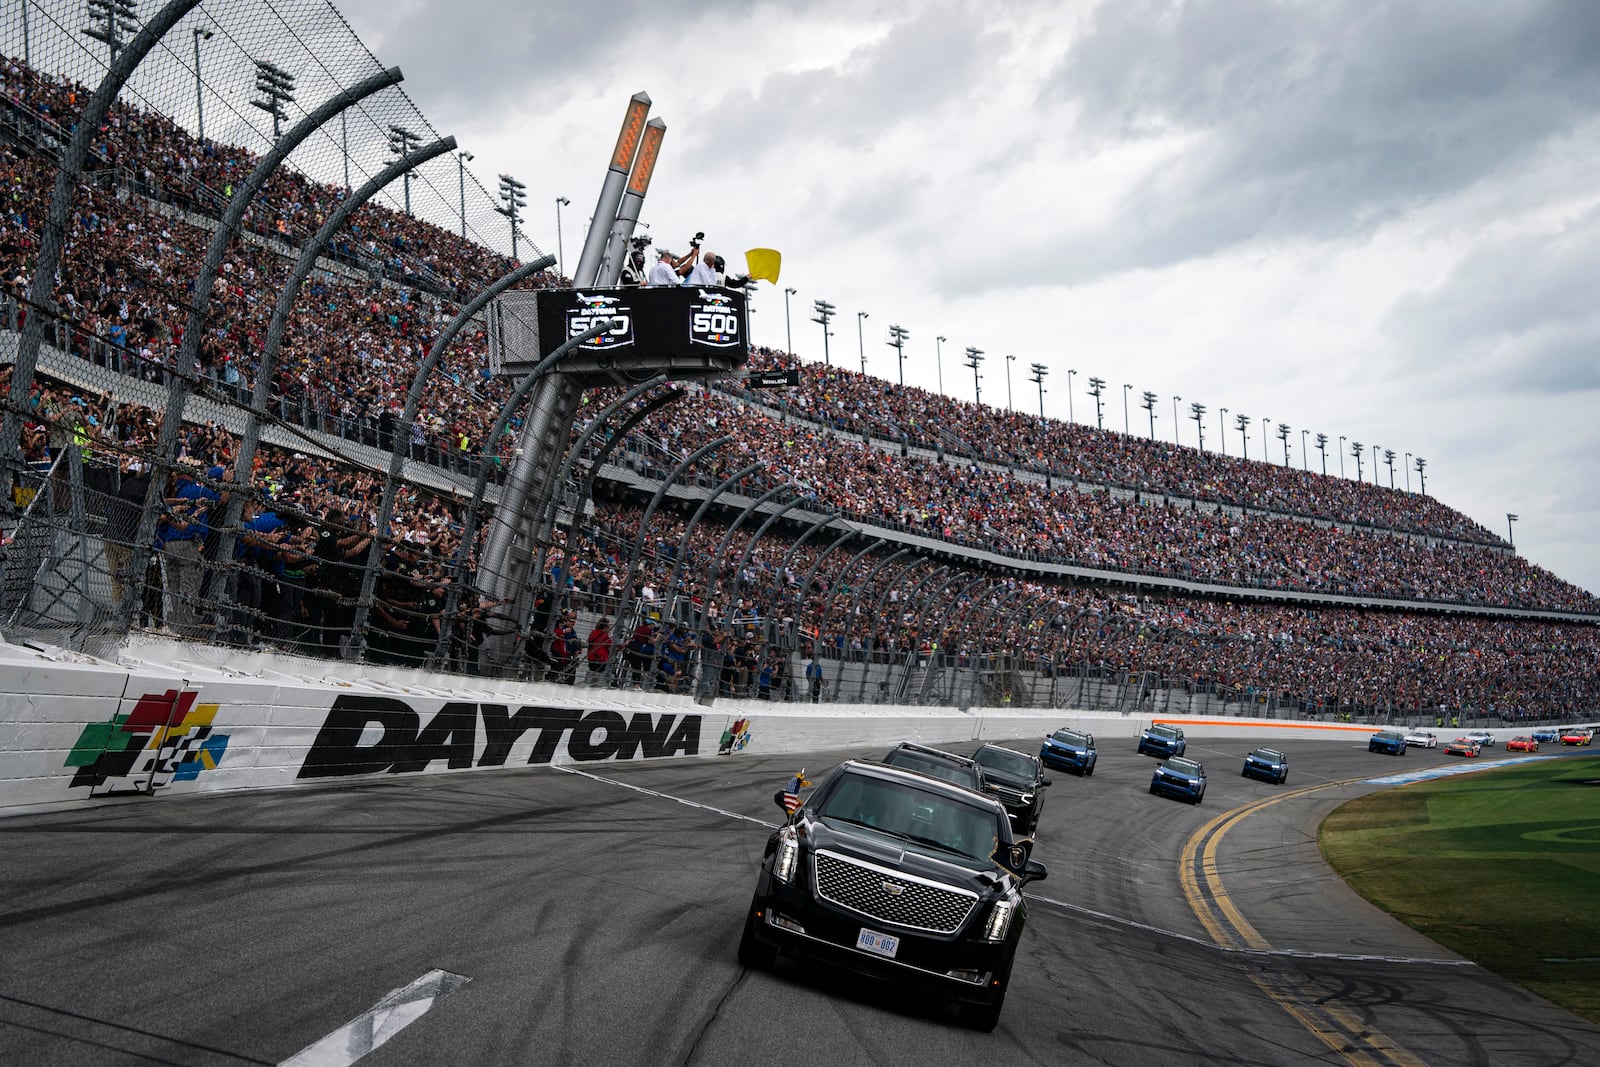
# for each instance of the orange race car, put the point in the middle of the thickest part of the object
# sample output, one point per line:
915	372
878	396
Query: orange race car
1577	735
1463	746
1522	744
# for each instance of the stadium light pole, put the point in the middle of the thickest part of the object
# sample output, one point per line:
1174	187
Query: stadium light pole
1373	452
513	193
1405	465
1356	449
1340	450
201	33
1388	459
1149	406
788	330
561	259
1305	463
1175	419
1283	435
1039	372
1126	389
861	343
1322	446
824	312
1421	467
402	142
898	335
938	356
118	21
1097	387
1071	373
975	357
1242	422
277	86
1511	534
1010	359
462	157
1222	429
1198	414
344	142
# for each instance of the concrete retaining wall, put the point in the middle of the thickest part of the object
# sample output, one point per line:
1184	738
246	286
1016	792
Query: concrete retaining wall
174	718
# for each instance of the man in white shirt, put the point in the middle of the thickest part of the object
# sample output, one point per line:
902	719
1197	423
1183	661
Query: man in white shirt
665	271
704	272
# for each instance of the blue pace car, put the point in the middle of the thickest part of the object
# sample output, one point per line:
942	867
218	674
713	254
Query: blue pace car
1070	751
1182	778
1162	741
1267	764
1390	741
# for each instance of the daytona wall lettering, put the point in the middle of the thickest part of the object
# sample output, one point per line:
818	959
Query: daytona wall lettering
376	735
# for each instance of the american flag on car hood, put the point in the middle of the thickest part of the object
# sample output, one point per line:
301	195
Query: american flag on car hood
791	792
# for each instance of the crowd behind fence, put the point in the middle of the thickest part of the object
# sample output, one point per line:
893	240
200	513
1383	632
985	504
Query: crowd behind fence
282	550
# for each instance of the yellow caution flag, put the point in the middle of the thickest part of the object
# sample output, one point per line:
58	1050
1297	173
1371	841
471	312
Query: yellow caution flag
764	263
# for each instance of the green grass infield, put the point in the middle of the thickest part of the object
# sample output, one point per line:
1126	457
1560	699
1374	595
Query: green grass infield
1500	866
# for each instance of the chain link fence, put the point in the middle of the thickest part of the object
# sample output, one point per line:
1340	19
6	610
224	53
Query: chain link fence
205	436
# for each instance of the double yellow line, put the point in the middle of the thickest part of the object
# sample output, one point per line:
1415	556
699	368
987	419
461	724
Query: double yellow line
1343	1032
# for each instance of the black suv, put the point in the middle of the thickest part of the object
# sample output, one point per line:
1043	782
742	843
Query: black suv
900	876
961	770
1016	780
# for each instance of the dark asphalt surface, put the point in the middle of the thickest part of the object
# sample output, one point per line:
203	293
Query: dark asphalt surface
597	924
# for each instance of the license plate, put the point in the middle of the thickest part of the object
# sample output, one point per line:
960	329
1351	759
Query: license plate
881	944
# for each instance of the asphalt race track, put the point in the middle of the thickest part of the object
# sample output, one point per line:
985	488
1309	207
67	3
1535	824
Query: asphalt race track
595	920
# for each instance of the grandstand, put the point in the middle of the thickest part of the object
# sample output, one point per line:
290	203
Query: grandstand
927	550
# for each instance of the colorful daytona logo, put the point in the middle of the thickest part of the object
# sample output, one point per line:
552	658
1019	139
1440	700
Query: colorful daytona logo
166	738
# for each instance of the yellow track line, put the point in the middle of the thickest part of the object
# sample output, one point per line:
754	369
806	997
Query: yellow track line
1337	1028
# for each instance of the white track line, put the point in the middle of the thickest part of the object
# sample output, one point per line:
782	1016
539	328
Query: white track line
665	796
379	1023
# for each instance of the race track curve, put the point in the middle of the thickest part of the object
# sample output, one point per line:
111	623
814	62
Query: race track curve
594	917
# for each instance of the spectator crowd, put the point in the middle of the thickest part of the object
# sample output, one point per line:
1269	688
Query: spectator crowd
1112	502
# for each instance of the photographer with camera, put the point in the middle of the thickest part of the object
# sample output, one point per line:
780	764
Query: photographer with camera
669	269
674	270
704	264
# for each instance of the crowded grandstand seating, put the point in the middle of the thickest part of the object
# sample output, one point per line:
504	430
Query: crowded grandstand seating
855	403
1114	502
1088	526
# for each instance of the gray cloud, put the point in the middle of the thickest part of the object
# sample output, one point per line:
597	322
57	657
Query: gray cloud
1523	306
1316	120
470	59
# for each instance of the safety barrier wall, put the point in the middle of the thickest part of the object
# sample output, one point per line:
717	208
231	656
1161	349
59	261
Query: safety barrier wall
74	729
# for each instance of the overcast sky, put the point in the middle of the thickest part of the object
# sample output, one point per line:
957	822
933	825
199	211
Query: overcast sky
1376	220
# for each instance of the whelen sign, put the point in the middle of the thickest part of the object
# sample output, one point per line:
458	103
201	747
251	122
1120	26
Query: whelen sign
688	329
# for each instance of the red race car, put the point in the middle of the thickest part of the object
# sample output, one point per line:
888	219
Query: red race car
1577	735
1522	744
1463	746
